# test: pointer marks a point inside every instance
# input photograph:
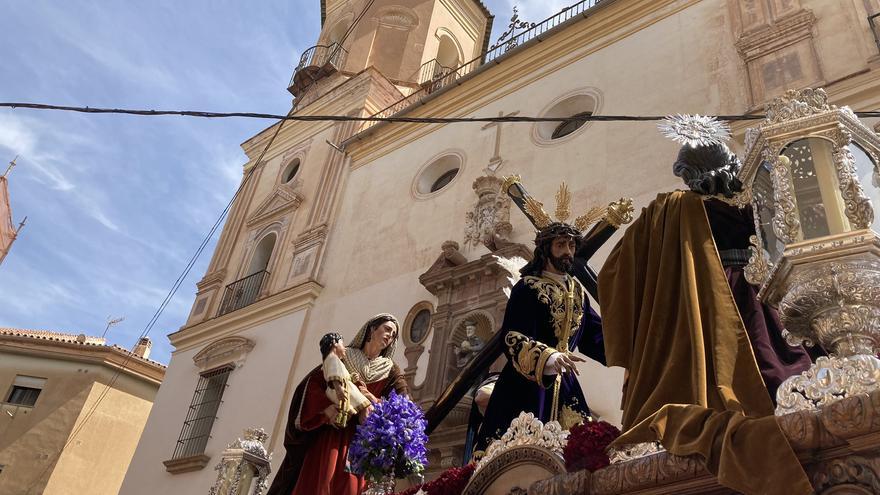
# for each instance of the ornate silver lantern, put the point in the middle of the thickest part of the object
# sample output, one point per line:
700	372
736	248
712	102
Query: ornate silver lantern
244	466
811	174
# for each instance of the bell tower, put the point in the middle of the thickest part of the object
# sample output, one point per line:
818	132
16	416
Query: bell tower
410	42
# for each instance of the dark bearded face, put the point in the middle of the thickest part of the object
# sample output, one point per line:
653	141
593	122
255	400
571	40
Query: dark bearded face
562	253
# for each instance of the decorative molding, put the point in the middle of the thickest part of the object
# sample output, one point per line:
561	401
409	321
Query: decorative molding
186	464
287	301
505	471
226	350
282	200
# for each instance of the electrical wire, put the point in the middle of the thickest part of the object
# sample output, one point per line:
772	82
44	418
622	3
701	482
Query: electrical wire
350	118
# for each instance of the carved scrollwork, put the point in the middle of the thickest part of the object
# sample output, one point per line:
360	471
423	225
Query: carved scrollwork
786	223
757	271
856	473
829	379
858	206
836	304
634	451
243	455
526	429
795	104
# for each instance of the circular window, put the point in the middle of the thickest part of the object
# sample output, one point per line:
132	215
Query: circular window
570	107
290	171
437	174
420	325
570	125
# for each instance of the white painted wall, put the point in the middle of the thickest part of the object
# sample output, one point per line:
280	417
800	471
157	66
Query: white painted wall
254	396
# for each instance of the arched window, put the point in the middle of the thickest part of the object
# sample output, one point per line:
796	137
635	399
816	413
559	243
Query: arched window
262	254
447	53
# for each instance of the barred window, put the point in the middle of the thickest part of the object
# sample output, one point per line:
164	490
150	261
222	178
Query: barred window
25	390
202	412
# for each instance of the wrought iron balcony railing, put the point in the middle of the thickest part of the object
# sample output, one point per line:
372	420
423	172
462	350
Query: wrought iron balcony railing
316	62
432	70
242	292
443	79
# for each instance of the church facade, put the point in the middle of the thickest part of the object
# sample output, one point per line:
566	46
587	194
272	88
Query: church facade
342	220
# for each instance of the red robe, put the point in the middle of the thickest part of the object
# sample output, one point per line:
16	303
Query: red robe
317	453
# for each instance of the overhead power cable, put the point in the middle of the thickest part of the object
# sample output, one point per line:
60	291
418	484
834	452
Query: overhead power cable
349	118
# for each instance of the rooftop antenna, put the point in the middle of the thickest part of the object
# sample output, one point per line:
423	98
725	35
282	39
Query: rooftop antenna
10	167
111	322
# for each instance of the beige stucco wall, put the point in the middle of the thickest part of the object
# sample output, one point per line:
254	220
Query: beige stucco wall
97	458
254	397
635	57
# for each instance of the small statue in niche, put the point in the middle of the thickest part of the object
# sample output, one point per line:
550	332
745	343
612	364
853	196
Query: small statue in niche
470	346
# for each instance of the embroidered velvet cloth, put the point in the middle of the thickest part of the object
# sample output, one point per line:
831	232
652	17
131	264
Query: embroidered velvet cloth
670	319
531	329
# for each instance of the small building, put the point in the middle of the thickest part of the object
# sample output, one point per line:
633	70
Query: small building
53	438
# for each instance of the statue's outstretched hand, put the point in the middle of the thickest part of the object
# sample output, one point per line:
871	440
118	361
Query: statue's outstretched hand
561	362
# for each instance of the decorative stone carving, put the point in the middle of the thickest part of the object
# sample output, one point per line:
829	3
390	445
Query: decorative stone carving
450	256
227	350
470	346
284	199
243	465
779	52
488	222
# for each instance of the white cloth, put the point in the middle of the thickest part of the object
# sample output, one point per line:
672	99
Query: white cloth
335	370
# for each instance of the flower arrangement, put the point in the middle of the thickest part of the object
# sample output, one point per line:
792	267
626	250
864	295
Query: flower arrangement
391	441
451	482
588	444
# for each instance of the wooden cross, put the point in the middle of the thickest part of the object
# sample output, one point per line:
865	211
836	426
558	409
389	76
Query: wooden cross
495	161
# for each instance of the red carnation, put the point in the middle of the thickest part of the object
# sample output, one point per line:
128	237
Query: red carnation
587	445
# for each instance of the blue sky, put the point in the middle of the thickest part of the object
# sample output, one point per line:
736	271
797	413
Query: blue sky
116	204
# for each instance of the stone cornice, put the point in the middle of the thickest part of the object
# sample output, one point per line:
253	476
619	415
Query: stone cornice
281	303
340	100
757	42
608	22
112	357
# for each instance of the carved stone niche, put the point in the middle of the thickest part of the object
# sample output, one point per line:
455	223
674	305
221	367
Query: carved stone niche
472	289
465	290
775	39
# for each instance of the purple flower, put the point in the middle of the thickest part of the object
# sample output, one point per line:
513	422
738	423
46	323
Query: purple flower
391	440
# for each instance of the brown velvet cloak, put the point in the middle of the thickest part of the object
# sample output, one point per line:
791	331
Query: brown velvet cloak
669	318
